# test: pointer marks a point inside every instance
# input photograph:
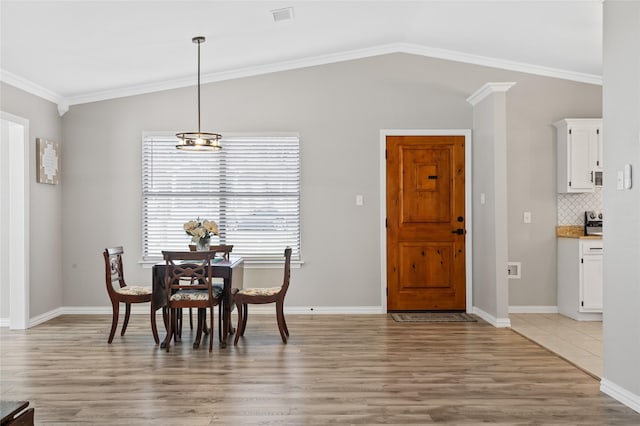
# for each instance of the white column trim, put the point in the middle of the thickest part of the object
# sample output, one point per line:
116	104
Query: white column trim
18	221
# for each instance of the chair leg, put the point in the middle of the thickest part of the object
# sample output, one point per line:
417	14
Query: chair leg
114	320
211	321
245	316
154	327
165	317
191	318
167	340
178	324
205	327
220	324
281	323
201	320
127	314
239	327
284	323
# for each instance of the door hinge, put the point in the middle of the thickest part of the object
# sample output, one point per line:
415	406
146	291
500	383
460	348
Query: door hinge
385	154
598	131
582	303
569	183
581	260
569	131
386	223
387	291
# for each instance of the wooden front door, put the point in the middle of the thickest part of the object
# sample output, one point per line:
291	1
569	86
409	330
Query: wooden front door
425	223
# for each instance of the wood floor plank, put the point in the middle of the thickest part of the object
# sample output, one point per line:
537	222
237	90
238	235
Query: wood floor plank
336	369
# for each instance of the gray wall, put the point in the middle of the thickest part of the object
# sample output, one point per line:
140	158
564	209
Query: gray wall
531	173
45	242
338	109
621	321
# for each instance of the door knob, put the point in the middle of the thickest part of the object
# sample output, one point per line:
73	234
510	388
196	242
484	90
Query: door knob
458	231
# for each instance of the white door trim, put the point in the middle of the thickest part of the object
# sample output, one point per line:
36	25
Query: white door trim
18	220
467	201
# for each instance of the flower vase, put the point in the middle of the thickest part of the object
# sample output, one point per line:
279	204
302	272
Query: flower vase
202	244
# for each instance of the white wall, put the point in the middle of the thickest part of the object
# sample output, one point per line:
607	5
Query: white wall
621	320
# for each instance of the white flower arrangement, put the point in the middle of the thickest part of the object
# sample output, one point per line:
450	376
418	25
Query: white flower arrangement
201	229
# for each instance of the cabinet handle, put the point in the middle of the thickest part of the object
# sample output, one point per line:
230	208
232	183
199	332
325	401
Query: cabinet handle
591	176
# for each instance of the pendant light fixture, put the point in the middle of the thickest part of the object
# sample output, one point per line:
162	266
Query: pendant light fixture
198	141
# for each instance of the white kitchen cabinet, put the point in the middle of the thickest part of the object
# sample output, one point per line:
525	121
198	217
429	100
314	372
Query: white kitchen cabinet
580	278
579	145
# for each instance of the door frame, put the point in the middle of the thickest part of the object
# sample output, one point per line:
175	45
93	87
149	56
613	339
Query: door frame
467	201
18	219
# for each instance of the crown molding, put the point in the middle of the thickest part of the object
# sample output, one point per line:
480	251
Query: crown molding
30	87
384	49
487	89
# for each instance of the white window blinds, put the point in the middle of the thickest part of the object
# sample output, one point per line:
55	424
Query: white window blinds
251	189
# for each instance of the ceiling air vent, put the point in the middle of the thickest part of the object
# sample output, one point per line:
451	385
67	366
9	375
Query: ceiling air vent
280	15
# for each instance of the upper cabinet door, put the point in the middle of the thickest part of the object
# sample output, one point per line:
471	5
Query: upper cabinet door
579	154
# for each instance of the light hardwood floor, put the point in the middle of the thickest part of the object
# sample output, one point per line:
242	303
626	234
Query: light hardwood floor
336	369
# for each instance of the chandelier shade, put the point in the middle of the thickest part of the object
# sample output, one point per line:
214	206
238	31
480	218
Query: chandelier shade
198	141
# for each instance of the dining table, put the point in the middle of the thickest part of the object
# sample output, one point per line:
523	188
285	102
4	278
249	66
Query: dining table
231	271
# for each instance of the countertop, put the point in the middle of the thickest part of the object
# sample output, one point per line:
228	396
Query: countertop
574	231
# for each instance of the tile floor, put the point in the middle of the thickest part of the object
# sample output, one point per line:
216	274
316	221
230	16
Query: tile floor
579	342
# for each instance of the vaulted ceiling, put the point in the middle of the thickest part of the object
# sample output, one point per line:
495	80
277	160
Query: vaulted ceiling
80	51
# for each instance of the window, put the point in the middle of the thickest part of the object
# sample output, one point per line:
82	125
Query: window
251	189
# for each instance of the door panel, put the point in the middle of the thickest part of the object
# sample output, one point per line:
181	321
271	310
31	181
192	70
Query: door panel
425	208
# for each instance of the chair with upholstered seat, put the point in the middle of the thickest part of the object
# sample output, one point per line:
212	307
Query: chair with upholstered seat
189	284
224	251
243	297
120	292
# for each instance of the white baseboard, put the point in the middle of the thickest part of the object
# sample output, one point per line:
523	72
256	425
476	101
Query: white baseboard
143	309
45	317
496	322
266	308
618	393
533	309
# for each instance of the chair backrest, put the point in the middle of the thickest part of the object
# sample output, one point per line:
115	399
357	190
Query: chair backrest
113	268
223	249
287	270
188	270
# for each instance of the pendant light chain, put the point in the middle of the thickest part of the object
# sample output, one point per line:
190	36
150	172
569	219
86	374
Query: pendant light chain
199	42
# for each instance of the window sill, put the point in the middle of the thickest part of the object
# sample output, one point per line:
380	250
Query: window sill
248	264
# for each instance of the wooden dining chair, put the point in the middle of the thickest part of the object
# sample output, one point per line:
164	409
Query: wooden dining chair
189	284
243	297
223	249
120	292
219	251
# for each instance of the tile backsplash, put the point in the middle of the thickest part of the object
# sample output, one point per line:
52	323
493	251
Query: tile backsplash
571	207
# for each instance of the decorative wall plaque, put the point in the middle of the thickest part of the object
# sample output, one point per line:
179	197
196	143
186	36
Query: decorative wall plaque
47	161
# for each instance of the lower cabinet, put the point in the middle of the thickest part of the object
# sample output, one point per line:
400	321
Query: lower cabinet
580	278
